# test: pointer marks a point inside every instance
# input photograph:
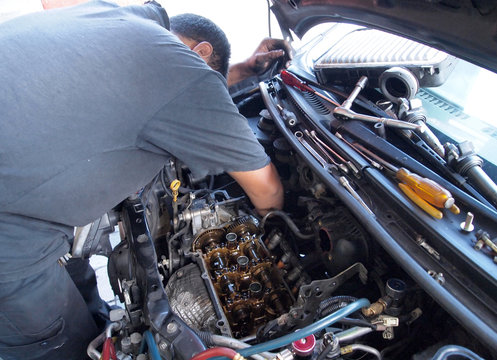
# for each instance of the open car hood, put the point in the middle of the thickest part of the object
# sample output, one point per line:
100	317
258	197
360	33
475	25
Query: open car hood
464	28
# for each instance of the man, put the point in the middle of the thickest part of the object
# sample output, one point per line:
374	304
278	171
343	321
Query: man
209	42
93	100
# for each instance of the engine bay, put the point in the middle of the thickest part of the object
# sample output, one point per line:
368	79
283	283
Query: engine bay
199	268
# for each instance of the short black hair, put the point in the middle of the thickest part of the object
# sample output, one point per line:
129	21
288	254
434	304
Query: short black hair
200	29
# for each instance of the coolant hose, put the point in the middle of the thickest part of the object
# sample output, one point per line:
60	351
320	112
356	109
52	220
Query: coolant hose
153	350
215	352
235	344
455	350
306	331
288	221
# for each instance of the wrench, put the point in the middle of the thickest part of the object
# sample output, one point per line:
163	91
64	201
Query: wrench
344	112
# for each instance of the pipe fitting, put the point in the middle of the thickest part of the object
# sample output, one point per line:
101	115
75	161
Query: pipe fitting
397	83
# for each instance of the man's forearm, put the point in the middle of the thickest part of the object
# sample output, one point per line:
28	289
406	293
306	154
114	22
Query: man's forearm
238	72
263	187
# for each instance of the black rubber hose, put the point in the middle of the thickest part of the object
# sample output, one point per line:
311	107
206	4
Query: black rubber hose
288	221
335	299
356	322
325	351
206	337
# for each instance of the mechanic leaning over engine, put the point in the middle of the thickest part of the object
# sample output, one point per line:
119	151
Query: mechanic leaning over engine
94	99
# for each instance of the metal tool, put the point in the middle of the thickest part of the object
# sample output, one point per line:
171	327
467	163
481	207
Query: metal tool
343	111
349	164
291	80
371	161
342	179
360	85
321	146
422	242
424	192
288	117
409	111
345	183
300	137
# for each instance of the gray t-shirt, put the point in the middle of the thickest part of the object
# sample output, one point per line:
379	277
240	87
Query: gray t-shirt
93	100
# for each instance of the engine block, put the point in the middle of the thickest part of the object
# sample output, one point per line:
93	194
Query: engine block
248	285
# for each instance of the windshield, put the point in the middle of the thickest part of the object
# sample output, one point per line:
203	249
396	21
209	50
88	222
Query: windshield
462	108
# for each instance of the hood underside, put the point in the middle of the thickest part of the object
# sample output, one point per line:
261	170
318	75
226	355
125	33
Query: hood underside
464	28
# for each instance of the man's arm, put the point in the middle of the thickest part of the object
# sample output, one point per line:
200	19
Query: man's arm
266	54
263	187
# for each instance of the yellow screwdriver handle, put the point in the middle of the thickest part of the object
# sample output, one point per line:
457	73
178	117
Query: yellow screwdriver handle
174	186
426	189
420	202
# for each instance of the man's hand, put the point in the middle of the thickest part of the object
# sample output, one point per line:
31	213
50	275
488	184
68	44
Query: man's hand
269	51
265	55
263	187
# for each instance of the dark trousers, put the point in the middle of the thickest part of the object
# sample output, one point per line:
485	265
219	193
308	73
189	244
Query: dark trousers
45	316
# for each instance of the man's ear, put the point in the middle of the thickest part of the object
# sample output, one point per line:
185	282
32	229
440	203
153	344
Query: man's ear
204	50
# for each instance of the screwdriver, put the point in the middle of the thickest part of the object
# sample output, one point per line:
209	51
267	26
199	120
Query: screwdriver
422	191
291	80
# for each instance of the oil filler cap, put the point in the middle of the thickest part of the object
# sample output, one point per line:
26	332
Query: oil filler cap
305	346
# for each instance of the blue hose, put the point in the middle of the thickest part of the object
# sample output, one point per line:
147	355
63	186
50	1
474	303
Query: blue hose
455	350
153	350
306	331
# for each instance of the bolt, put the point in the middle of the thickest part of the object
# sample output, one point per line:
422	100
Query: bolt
479	244
163	345
440	278
485	237
171	328
467	225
